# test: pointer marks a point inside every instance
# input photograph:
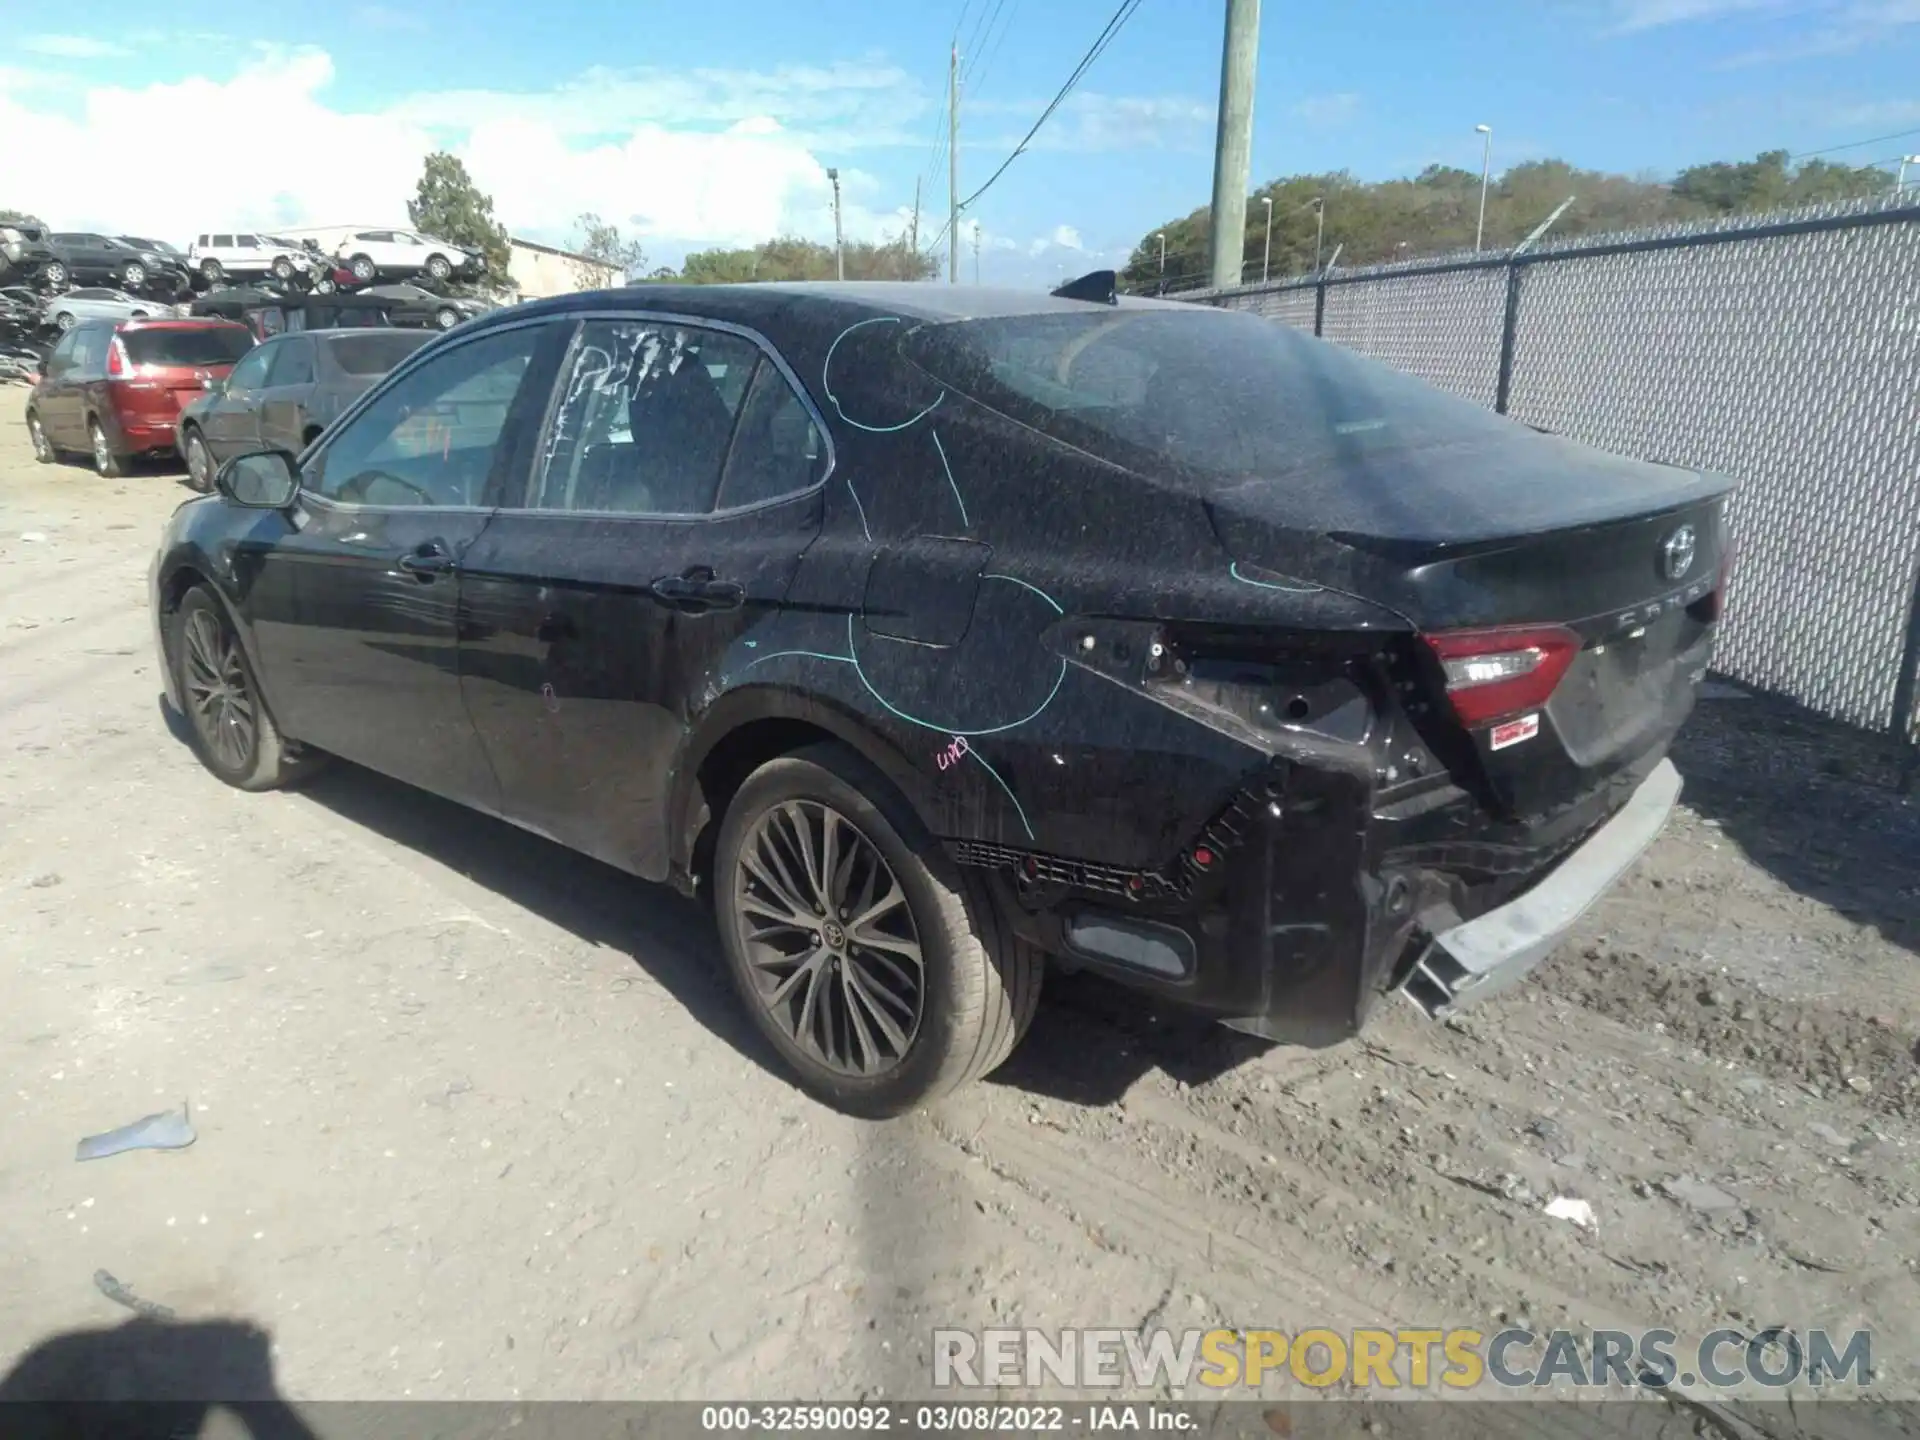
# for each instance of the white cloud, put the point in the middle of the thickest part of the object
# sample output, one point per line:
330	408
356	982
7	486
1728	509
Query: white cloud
1876	114
1091	122
1067	238
73	47
1327	110
634	157
1633	15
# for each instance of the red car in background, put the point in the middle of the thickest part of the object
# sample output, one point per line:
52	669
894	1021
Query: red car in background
114	390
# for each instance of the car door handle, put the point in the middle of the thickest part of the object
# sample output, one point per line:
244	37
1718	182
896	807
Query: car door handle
424	562
696	591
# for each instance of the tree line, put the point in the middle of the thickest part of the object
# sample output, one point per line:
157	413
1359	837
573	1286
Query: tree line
1436	212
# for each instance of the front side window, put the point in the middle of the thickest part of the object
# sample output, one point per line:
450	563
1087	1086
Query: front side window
248	242
646	413
431	438
251	373
293	365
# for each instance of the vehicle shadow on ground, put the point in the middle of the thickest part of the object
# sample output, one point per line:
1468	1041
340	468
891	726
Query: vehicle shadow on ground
1812	802
1091	1042
148	1380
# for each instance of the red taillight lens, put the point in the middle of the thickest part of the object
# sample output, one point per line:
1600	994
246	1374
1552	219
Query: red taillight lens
116	358
1496	673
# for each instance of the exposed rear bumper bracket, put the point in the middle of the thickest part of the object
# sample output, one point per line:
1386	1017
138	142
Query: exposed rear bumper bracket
1466	963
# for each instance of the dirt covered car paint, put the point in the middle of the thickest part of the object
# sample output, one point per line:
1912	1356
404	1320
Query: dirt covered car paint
1191	634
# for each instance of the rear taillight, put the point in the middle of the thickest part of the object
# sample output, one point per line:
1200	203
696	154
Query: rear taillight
1495	673
116	358
1714	606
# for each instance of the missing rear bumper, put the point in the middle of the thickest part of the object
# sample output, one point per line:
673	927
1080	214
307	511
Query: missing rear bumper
1466	963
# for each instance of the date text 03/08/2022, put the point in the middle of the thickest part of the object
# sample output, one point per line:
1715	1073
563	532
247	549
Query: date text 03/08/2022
935	1419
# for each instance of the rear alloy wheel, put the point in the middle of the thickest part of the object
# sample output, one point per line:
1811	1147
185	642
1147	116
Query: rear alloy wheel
43	450
324	285
446	319
438	267
210	271
56	274
199	463
883	974
64	321
233	734
134	276
363	267
108	465
282	268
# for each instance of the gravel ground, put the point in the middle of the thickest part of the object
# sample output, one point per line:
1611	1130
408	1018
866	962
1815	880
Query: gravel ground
478	1120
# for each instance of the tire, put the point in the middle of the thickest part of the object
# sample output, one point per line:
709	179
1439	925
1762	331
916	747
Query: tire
978	985
211	271
324	285
439	267
446	319
43	450
56	274
106	464
200	466
238	742
64	321
134	276
282	268
363	267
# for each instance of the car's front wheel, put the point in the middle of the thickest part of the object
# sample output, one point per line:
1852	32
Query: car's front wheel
43	450
64	321
199	462
282	268
233	734
134	276
363	267
56	275
439	267
446	318
211	271
882	973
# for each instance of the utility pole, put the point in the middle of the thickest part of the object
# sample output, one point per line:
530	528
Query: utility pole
1233	145
839	248
976	253
913	241
1319	228
1486	170
953	164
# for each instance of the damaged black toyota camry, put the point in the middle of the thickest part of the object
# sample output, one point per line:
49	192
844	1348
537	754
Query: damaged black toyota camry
937	635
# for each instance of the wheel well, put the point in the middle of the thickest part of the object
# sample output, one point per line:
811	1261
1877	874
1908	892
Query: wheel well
725	769
175	590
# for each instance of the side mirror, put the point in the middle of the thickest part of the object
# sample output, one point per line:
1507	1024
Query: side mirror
264	481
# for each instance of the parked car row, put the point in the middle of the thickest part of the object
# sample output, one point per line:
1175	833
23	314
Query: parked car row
363	256
58	259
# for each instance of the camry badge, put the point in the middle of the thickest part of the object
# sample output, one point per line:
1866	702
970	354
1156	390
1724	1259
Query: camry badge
1676	553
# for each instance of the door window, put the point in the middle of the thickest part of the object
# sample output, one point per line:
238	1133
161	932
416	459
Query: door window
293	365
247	242
777	449
645	417
61	356
251	372
432	436
223	242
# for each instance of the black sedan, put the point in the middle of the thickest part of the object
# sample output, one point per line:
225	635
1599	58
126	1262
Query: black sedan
417	305
285	392
937	634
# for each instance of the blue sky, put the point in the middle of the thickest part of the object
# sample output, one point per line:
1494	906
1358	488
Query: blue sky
700	124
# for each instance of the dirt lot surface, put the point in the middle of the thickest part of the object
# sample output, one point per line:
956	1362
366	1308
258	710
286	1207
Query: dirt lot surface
477	1118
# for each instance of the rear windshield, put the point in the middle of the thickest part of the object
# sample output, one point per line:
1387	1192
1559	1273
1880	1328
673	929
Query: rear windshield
216	345
1212	391
376	352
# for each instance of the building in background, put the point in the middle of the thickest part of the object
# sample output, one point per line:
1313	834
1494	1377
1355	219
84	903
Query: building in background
542	270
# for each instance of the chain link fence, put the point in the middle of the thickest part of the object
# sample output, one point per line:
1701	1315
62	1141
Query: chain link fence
1783	350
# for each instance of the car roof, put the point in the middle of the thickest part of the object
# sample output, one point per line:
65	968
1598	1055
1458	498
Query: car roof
197	322
745	304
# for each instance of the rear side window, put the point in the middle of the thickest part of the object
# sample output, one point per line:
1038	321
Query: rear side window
777	449
223	242
1221	394
645	416
215	345
374	353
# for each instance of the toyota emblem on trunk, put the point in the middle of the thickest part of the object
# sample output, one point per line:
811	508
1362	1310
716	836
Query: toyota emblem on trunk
1676	553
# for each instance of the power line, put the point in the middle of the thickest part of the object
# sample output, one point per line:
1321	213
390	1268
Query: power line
983	23
1855	144
1094	51
993	52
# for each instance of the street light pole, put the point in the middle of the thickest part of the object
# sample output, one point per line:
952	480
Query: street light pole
1905	161
1161	236
1266	255
1486	169
839	248
1319	228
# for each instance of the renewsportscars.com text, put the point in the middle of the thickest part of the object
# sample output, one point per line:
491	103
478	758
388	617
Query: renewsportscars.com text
1413	1359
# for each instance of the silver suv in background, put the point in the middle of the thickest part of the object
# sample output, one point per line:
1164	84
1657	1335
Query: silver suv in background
218	254
24	252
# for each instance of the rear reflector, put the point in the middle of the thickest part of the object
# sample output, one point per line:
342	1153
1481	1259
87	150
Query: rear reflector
1492	674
